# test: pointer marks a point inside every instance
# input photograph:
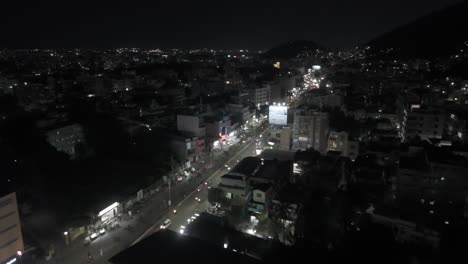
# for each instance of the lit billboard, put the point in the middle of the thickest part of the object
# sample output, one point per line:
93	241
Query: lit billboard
278	115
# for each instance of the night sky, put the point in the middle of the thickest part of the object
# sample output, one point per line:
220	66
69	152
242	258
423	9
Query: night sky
255	24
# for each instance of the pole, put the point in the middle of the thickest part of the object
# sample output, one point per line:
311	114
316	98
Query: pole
169	201
170	179
66	237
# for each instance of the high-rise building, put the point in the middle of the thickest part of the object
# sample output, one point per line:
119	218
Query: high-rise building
425	124
11	238
310	130
260	95
191	125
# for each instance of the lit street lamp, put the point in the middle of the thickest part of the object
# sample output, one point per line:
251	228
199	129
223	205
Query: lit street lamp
66	237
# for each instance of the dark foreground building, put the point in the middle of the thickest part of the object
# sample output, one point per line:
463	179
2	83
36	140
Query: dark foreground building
170	247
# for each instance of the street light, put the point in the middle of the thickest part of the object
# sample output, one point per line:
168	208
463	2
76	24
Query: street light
66	237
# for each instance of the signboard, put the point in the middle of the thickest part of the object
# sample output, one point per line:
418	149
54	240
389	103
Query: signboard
278	115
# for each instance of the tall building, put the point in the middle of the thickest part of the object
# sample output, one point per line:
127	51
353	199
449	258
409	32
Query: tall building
260	95
310	130
11	238
191	125
425	124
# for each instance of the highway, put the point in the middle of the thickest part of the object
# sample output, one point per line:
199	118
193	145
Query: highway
189	206
152	214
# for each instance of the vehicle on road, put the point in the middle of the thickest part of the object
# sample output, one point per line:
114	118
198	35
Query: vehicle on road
197	199
182	229
93	236
102	231
166	224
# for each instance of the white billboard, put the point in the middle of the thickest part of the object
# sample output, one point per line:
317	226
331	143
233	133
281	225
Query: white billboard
278	115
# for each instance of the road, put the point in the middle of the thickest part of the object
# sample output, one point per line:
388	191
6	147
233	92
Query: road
148	220
189	206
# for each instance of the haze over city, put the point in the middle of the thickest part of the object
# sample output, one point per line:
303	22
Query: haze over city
234	132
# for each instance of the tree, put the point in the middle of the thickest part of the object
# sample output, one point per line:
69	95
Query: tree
216	195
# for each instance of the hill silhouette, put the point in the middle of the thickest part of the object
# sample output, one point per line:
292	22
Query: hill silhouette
437	34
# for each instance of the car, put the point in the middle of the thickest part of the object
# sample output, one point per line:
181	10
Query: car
93	236
102	231
197	199
189	220
166	224
182	230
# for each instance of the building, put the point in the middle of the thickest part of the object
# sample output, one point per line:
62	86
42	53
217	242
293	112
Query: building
406	231
259	95
213	230
65	139
191	125
310	130
218	129
425	124
285	139
170	247
339	142
235	187
241	113
187	149
260	199
329	100
235	183
414	174
11	238
282	86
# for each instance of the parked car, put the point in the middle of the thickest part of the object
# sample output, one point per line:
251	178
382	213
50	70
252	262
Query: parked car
166	224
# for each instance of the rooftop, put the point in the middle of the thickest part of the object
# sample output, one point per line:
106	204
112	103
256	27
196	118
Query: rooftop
274	169
212	229
170	247
271	154
246	167
261	186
